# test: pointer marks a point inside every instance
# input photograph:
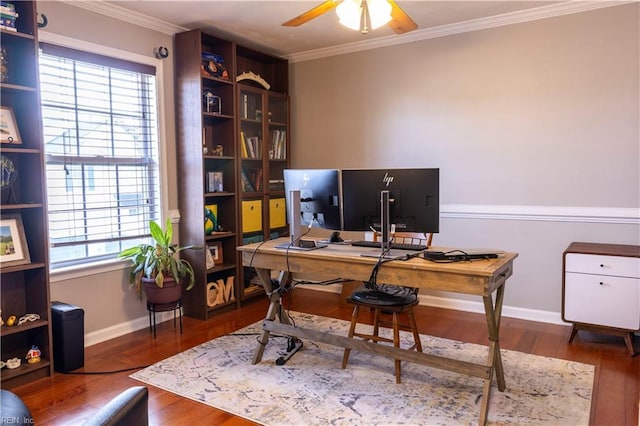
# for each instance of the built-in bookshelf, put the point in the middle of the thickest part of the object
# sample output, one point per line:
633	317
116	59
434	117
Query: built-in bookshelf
24	293
230	161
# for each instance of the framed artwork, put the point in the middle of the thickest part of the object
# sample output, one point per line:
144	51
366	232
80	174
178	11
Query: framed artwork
8	126
13	243
216	252
209	259
214	182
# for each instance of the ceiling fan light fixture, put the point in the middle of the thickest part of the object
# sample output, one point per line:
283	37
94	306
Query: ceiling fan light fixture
379	12
349	13
360	15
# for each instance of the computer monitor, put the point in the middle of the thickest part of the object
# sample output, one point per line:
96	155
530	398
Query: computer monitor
319	196
414	199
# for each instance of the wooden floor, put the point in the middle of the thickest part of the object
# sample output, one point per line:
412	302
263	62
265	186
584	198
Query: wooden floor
68	399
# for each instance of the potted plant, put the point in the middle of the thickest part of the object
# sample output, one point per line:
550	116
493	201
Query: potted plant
158	267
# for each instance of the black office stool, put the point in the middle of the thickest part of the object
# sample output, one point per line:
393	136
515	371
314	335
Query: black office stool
384	301
164	307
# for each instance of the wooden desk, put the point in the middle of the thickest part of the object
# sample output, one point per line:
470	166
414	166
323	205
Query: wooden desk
479	278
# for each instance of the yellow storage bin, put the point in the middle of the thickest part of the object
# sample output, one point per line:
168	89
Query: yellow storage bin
252	216
277	213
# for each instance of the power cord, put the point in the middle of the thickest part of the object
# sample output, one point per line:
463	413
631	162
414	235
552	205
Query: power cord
108	371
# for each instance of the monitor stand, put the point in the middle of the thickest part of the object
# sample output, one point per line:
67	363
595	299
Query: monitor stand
296	242
385	232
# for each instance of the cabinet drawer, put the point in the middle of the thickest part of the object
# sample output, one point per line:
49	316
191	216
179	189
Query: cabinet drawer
251	216
603	265
602	300
277	213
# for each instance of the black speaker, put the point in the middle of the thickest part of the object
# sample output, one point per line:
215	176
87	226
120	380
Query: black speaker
67	323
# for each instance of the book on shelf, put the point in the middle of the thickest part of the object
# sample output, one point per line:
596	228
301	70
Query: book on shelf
247	186
276	184
278	145
250	146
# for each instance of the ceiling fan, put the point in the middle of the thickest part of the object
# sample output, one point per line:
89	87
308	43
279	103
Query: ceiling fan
361	15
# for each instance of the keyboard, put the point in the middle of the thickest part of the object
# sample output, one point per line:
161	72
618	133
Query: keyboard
397	246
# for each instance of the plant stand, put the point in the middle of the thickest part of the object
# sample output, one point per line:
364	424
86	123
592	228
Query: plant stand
163	307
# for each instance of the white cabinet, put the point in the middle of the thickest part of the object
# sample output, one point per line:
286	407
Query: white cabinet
601	289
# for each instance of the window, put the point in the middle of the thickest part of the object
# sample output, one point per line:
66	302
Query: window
101	150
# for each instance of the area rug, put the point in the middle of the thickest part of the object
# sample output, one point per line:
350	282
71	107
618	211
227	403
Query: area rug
313	389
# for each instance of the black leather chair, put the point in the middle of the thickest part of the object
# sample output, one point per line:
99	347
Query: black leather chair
13	410
129	408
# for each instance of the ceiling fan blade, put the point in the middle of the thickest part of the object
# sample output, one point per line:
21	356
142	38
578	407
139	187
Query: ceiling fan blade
312	13
400	22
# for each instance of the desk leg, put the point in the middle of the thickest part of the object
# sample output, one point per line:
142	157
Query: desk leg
275	308
494	357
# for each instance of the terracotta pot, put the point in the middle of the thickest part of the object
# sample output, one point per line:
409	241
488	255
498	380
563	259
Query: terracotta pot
169	293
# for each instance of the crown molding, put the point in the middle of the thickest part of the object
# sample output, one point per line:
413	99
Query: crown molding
543	12
118	12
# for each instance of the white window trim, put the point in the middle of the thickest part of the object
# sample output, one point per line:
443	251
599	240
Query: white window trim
64	274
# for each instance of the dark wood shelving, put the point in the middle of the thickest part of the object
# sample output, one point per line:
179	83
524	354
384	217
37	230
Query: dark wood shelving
195	123
25	288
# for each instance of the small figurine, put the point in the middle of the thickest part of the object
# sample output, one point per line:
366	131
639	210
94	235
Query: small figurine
33	356
13	363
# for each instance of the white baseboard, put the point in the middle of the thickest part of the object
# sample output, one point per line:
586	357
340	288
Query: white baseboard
467	306
438	302
123	328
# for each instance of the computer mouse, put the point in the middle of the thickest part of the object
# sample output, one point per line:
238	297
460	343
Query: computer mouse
335	237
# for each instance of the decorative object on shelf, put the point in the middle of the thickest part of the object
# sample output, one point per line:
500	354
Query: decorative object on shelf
211	219
214	182
9	16
213	66
13	363
209	259
220	292
8	127
218	151
161	52
160	262
211	103
11	321
33	356
250	75
8	176
13	242
4	65
216	252
28	318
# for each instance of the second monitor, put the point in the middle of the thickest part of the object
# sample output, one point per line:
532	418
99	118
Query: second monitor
319	196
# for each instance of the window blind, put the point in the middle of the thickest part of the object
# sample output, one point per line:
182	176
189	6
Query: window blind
101	149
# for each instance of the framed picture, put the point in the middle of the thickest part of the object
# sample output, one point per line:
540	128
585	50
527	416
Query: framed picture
8	126
209	259
13	243
214	182
216	252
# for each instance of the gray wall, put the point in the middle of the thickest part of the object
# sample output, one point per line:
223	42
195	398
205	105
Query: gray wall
539	118
534	127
